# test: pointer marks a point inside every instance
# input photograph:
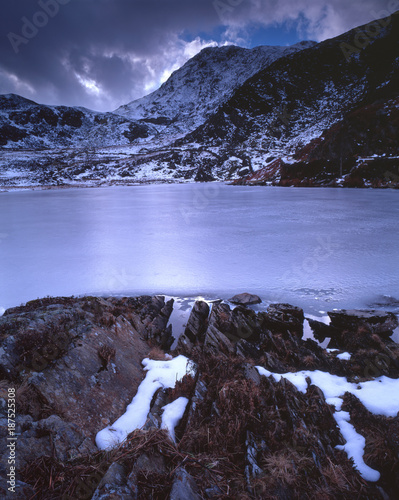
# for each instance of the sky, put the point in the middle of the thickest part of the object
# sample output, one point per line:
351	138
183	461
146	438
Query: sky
101	54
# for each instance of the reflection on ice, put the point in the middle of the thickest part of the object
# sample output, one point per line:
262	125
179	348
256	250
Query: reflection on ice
315	248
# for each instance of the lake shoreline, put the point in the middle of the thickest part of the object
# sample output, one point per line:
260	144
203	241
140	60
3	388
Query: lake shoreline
6	189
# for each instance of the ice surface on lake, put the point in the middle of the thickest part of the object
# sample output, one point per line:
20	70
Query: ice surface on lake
316	248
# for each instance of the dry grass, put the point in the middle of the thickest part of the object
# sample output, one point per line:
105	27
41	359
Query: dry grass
157	354
287	466
106	353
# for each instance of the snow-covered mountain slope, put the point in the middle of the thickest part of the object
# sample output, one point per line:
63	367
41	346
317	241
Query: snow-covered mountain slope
316	116
294	100
26	124
207	80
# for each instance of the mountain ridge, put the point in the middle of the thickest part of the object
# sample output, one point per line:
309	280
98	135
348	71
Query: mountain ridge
306	118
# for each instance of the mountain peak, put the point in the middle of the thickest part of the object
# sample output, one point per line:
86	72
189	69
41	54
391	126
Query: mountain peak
202	84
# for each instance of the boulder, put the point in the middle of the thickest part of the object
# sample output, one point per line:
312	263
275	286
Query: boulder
184	486
245	299
372	321
114	485
284	317
85	352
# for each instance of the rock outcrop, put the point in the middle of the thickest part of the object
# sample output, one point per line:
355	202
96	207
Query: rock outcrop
245	299
75	363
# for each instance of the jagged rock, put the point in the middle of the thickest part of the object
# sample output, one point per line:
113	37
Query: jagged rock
114	485
247	350
195	329
197	322
145	466
198	397
252	469
157	328
47	437
284	317
245	299
373	321
216	342
251	373
84	349
184	486
236	324
155	415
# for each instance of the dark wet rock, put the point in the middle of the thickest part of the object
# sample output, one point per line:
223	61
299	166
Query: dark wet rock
155	415
248	350
198	397
245	299
372	321
284	317
197	322
196	327
157	329
114	485
216	342
184	487
236	324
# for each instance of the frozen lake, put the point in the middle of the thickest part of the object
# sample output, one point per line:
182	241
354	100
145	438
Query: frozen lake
316	248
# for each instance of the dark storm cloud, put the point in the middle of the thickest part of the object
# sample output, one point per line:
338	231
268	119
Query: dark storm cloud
103	53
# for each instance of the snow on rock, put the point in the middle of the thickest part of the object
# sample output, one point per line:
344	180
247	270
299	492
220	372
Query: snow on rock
354	446
160	374
344	356
380	396
172	414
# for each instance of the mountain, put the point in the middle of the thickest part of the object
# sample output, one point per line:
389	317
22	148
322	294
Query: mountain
322	114
323	108
194	91
26	124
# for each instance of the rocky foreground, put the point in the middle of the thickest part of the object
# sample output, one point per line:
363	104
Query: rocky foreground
74	364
